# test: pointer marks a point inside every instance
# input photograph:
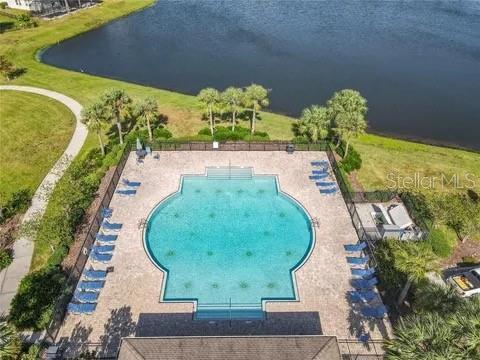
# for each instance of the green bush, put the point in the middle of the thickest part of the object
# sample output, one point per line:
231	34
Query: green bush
300	140
33	305
391	279
18	203
25	21
442	242
5	258
222	133
352	162
3	5
160	134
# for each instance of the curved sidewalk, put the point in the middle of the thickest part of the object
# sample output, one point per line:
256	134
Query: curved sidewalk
23	247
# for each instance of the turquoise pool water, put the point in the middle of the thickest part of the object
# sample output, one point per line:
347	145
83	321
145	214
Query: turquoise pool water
228	241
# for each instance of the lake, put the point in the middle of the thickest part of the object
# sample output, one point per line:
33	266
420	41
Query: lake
416	62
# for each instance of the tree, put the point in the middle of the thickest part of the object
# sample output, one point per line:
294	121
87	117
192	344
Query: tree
209	97
346	111
314	123
6	68
147	113
233	97
94	117
255	98
437	298
457	211
10	344
415	260
117	102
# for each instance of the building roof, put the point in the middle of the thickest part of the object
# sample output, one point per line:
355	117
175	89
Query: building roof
308	347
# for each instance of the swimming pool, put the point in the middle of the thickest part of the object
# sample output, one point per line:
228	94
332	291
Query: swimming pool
228	241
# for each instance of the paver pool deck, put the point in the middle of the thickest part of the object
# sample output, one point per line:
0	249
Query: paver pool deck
129	304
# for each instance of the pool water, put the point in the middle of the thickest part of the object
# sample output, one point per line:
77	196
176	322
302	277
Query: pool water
228	241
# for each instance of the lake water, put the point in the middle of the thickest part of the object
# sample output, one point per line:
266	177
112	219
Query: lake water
417	62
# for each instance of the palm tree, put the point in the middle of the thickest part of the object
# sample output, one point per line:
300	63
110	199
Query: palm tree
10	344
147	112
94	117
255	98
440	298
210	98
414	260
233	97
314	123
346	111
117	102
466	326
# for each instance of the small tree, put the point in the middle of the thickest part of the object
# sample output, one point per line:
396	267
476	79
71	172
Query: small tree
94	117
6	68
314	123
346	111
256	97
10	344
415	260
209	97
117	102
233	98
146	112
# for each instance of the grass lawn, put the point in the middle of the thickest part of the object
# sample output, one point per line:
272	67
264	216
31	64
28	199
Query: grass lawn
34	132
382	156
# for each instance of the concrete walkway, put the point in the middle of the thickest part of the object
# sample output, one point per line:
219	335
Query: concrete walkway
23	247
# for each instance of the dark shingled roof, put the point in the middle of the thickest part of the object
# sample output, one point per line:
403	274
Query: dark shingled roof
308	347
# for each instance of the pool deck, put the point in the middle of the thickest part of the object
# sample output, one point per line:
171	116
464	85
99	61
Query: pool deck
129	303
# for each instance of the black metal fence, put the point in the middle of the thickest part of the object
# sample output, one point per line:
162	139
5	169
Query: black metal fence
77	269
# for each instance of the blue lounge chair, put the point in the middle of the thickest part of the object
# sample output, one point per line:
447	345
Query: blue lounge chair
103	249
103	258
126	192
325	183
364	284
129	183
86	296
355	247
90	285
362	296
111	226
83	308
319	163
358	260
378	312
318	177
106	212
364	338
318	172
93	274
364	273
106	237
148	150
328	191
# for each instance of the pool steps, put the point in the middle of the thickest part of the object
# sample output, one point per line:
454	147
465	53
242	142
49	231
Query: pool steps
226	173
229	312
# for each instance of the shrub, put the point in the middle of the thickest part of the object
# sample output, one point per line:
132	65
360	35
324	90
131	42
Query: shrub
390	278
223	133
300	140
5	258
352	162
3	5
18	203
32	353
33	305
204	131
25	21
160	133
442	242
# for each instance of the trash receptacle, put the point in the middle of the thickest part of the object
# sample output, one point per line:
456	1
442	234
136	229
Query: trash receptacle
290	148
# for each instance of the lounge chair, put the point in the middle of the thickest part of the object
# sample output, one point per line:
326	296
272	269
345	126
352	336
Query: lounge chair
93	274
111	226
127	182
325	183
364	284
148	150
319	163
318	172
126	192
378	312
106	237
103	258
82	308
106	212
358	260
90	285
103	249
362	296
364	273
318	177
328	191
355	247
86	296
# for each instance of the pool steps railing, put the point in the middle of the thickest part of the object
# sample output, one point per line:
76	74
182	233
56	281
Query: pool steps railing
229	311
229	173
